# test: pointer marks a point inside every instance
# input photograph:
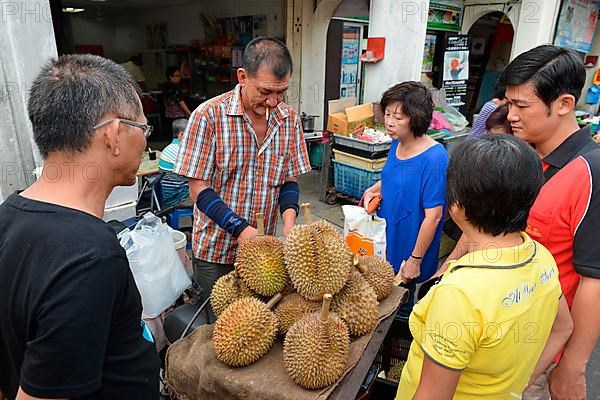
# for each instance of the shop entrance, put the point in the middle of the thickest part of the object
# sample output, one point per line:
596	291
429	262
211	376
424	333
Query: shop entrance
346	37
491	43
202	40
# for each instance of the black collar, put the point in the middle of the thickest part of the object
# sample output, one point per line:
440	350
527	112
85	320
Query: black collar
569	148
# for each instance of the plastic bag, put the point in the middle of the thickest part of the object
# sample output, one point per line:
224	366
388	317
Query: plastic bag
439	122
455	118
364	233
155	264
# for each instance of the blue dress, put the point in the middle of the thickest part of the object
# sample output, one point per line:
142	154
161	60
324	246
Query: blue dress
408	187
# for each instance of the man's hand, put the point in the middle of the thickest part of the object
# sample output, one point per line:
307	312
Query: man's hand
411	269
567	382
289	220
247	234
287	227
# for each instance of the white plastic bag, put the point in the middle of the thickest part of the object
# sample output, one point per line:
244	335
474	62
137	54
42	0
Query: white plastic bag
364	233
455	118
155	264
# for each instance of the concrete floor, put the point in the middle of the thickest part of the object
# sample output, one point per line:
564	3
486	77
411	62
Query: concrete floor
309	192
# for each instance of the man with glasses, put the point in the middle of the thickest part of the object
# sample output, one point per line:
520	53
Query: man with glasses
242	152
70	311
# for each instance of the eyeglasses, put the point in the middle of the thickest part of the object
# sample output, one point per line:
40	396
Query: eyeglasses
146	128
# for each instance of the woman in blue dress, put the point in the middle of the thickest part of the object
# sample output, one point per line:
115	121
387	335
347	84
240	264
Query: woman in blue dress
412	186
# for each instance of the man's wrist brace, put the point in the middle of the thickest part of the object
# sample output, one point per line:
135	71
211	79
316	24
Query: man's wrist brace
289	197
211	204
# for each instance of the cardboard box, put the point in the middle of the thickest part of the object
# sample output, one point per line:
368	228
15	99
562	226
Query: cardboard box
345	117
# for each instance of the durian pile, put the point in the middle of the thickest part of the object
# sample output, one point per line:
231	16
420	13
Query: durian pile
312	270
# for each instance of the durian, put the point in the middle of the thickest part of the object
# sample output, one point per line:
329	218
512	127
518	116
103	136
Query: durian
378	273
228	289
318	260
259	262
396	371
291	309
316	348
357	305
245	331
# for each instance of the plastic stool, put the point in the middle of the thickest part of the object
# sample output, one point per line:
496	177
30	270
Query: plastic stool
174	216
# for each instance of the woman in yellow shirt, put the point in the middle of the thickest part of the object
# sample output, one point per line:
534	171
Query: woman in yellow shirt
498	310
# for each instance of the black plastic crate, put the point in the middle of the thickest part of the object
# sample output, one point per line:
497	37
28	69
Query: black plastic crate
394	349
371	155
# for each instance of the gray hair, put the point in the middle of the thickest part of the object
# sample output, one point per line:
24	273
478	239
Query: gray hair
272	52
70	96
179	126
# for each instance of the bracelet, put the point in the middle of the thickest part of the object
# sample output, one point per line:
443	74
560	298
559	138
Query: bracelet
416	258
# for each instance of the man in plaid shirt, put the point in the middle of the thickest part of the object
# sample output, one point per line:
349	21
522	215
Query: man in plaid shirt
242	152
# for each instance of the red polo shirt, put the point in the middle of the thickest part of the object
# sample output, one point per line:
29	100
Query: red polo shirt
565	217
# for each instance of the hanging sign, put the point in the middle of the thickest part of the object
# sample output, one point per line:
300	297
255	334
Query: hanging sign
456	69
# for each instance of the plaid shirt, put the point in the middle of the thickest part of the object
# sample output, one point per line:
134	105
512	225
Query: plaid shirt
220	146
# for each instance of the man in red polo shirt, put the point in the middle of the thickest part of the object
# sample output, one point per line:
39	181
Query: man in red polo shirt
542	88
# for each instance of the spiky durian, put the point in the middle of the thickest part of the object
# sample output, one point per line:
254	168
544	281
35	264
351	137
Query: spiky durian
357	305
316	348
245	331
291	309
396	371
228	289
317	259
259	262
378	273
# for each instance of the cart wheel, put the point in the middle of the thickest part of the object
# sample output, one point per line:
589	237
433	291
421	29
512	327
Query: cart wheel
331	198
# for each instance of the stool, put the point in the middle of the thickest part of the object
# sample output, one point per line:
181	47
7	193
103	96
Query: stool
174	216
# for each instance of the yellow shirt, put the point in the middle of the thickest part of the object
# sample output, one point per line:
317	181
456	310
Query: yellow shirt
489	317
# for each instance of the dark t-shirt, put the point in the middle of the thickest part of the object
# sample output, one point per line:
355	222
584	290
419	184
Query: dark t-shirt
70	312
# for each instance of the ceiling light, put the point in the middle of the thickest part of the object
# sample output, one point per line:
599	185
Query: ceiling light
72	10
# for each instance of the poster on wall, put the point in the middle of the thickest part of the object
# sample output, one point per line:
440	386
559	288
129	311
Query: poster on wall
576	24
350	67
456	69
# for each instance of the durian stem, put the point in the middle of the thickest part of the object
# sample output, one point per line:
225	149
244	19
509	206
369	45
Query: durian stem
306	211
325	308
398	279
260	224
361	268
274	300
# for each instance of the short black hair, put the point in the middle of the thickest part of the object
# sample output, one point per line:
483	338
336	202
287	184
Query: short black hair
179	126
170	71
271	52
496	179
500	92
552	70
498	117
70	96
416	104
